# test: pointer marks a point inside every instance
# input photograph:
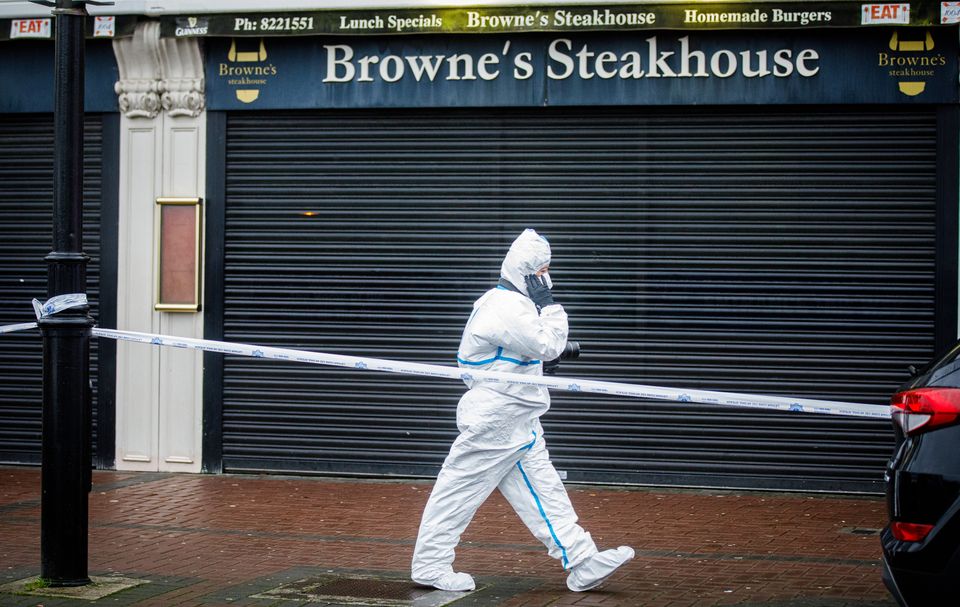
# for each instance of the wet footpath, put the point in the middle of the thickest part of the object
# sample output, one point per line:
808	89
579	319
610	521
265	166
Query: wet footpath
269	541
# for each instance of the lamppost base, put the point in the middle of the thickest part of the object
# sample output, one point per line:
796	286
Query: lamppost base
67	583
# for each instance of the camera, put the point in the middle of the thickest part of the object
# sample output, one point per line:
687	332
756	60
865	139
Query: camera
571	351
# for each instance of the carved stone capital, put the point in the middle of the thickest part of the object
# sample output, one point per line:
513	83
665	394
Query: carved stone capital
138	98
137	59
181	74
159	73
184	103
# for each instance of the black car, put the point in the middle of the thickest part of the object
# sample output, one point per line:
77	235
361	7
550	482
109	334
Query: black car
921	544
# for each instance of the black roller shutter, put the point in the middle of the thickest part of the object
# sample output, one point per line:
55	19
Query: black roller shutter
786	252
26	209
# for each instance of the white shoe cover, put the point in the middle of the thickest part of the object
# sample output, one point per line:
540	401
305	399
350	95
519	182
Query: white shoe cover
596	569
455	581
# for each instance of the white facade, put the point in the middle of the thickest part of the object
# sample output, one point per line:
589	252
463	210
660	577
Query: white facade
162	154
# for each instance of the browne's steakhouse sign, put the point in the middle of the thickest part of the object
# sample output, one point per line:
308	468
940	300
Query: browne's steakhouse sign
880	65
566	18
661	14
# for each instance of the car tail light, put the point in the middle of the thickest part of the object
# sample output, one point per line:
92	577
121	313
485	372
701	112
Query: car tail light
910	532
924	409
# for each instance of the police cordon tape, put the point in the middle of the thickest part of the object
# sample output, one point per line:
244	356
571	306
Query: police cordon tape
14	328
360	363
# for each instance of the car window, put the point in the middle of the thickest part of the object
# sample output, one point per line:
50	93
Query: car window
947	375
946	372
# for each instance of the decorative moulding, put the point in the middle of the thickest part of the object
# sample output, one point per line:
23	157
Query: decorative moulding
181	76
137	59
159	73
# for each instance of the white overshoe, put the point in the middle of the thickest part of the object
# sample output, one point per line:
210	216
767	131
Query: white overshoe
454	581
595	570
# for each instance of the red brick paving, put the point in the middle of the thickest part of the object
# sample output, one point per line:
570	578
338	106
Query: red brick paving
694	548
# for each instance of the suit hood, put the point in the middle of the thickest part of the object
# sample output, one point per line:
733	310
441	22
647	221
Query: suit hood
528	253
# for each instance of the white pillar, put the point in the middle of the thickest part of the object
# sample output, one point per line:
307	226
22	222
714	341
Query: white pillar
162	154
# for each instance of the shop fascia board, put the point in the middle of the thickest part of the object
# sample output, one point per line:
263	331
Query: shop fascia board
23	8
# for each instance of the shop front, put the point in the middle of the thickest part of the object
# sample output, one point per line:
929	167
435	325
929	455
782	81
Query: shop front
750	209
754	197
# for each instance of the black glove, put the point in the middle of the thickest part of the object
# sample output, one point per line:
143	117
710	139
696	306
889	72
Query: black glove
550	367
538	291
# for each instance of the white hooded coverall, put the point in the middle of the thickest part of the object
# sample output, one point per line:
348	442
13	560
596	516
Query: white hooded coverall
501	443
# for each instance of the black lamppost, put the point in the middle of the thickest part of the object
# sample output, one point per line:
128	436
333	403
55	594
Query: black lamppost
66	335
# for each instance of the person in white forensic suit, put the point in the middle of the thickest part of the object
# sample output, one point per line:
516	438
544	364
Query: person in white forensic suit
514	327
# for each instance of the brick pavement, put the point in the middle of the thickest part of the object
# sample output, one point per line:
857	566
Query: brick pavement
217	540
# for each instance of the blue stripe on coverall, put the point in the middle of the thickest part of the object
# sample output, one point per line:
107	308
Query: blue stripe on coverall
499	356
543	514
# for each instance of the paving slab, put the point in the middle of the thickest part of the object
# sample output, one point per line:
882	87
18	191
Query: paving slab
235	539
98	588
